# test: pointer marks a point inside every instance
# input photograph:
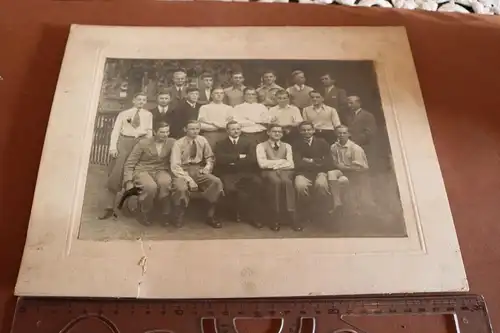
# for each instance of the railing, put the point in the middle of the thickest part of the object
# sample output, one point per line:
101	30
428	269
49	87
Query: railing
102	133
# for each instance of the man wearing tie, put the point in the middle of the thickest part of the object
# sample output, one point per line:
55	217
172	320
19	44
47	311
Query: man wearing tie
334	96
237	166
130	126
178	90
275	159
186	110
192	163
163	112
206	89
148	168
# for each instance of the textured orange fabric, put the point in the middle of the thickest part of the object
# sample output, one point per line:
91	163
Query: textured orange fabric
456	57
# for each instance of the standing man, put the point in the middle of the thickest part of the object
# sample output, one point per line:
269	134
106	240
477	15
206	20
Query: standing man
213	118
179	90
163	112
299	92
192	163
252	116
130	126
351	166
334	97
286	115
186	110
275	159
234	94
237	167
269	87
206	89
324	118
148	168
312	159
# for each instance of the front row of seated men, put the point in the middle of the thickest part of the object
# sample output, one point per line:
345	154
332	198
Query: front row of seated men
271	174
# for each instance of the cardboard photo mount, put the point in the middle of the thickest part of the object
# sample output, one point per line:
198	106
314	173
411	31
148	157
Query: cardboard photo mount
56	263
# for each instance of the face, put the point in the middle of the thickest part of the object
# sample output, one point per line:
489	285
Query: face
299	78
238	79
179	78
192	130
353	103
342	134
307	131
250	96
193	96
268	78
164	99
208	81
234	130
139	101
316	99
218	95
162	133
275	133
282	99
326	80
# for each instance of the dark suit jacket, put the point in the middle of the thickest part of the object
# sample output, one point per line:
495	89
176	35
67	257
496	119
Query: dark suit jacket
319	151
227	156
176	97
167	117
203	97
145	158
182	114
362	127
336	98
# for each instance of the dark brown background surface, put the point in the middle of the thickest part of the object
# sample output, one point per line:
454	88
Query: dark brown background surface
457	59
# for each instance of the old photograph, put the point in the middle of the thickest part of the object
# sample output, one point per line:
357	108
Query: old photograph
215	149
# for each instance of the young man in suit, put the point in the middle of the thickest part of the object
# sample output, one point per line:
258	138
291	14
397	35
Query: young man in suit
324	117
192	163
164	111
206	89
275	159
147	167
237	167
299	92
179	90
334	96
130	126
312	159
187	110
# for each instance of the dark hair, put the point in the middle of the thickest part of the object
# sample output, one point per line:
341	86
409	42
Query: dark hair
341	126
330	76
282	92
305	123
161	124
192	121
232	122
164	92
236	72
248	88
273	125
207	74
180	70
296	72
315	92
141	93
191	89
268	71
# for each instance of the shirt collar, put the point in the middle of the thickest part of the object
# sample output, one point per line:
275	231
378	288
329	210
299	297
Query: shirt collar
300	87
282	108
233	140
347	144
272	143
357	111
309	141
191	103
322	106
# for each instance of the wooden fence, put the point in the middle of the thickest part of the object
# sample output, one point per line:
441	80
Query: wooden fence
99	154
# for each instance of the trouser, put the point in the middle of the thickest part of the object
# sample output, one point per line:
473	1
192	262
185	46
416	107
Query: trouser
328	135
275	182
337	182
359	198
114	184
256	137
242	188
309	186
155	185
214	136
209	185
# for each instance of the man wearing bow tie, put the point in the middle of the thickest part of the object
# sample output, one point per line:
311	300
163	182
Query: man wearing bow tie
163	112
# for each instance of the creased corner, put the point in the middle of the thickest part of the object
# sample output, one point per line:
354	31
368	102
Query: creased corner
142	263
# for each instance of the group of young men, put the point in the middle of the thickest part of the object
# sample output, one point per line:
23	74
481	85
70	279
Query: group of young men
272	152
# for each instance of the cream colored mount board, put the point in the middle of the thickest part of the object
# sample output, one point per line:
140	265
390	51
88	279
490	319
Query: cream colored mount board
397	235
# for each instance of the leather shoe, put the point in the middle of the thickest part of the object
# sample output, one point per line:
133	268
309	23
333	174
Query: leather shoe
275	227
211	221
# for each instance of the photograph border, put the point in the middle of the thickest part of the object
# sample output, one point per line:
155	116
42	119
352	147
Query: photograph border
56	263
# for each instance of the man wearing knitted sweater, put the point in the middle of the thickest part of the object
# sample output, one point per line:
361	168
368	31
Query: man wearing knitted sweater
299	92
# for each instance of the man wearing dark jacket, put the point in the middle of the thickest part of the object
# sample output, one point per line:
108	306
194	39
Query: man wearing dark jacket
164	111
236	166
185	111
312	159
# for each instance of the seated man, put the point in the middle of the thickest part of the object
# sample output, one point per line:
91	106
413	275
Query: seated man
147	168
275	159
192	163
351	166
312	159
237	166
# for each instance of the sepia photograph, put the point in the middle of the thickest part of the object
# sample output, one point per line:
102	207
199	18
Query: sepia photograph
268	168
216	149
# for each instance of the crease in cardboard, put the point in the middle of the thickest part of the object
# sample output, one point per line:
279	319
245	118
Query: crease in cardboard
142	263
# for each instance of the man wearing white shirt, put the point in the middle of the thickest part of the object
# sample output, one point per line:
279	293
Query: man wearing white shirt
213	118
130	126
252	116
286	115
324	118
275	159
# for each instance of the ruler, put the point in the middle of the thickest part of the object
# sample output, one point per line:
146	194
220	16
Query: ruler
304	315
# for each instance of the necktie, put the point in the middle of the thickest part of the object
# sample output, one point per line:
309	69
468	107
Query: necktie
136	121
276	147
192	150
